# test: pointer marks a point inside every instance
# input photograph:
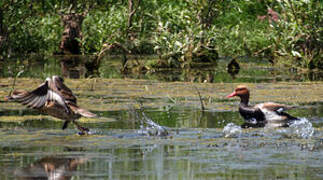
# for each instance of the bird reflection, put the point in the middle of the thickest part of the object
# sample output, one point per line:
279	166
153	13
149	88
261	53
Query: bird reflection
53	168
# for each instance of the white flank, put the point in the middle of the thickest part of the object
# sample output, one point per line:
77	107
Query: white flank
56	97
270	115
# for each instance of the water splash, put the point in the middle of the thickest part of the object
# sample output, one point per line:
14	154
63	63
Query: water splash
232	130
302	128
95	132
150	128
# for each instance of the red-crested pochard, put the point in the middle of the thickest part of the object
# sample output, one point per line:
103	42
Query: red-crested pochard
264	114
53	98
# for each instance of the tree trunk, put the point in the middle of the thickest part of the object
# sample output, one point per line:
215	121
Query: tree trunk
72	32
131	12
70	45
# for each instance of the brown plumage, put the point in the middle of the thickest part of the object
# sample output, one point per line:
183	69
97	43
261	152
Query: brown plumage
259	115
54	98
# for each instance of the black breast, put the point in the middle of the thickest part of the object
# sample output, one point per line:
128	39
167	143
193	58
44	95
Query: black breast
253	117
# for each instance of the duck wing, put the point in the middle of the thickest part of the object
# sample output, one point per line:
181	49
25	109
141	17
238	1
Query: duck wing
60	88
270	106
252	114
38	97
274	112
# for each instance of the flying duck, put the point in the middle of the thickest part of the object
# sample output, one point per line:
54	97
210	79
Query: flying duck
264	114
54	98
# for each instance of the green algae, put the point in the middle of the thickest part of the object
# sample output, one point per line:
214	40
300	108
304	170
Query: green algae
196	147
96	120
19	119
175	104
119	94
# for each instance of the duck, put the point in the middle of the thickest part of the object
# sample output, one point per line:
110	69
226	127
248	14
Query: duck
264	114
54	98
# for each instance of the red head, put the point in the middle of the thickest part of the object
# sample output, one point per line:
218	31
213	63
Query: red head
241	91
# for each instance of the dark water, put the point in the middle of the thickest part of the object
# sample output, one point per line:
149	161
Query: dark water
33	146
251	70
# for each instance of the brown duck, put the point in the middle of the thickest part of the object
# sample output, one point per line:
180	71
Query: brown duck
55	99
260	115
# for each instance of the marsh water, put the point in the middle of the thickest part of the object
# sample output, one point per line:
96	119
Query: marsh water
200	144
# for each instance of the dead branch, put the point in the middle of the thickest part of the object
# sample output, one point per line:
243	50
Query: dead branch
201	100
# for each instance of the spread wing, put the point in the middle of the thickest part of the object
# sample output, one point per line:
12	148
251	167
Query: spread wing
274	112
63	90
38	97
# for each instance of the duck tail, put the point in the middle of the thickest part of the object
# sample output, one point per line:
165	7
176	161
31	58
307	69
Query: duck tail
82	112
290	117
85	113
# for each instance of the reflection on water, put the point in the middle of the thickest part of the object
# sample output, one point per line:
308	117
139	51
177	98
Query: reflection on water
72	67
233	68
56	168
242	70
197	147
189	154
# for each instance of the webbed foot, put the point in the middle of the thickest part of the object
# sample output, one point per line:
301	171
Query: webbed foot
83	130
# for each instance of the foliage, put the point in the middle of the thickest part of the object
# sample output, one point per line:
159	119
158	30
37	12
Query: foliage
284	31
298	33
184	35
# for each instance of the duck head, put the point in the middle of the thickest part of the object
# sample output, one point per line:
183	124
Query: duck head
48	79
55	82
242	92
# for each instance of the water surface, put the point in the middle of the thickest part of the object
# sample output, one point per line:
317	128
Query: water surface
197	147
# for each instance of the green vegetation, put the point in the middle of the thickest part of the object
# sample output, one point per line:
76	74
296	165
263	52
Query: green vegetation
287	32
